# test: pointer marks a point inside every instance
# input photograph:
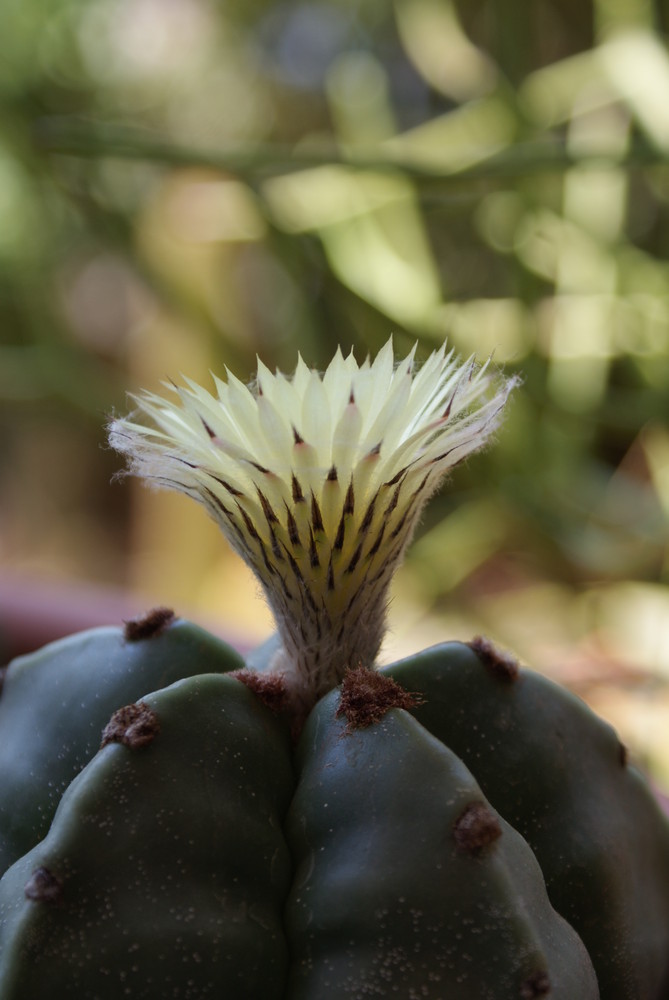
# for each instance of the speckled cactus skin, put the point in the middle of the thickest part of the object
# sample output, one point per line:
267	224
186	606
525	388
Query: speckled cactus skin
165	869
407	880
55	703
488	841
561	777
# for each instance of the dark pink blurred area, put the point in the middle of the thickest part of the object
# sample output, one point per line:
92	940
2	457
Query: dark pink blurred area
34	612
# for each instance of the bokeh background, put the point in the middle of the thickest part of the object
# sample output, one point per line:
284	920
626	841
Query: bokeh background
185	184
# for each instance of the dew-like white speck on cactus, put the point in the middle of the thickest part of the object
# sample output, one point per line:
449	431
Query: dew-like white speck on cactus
318	481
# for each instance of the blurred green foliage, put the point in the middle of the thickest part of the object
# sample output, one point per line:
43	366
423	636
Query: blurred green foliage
188	183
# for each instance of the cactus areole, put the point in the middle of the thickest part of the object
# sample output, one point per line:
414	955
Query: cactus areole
178	823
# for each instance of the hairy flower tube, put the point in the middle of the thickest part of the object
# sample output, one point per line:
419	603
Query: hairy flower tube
318	481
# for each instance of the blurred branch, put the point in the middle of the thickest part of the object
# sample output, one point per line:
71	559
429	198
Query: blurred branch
95	141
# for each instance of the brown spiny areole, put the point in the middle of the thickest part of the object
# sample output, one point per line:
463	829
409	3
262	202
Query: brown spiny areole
502	665
476	828
134	726
269	688
366	696
43	886
148	625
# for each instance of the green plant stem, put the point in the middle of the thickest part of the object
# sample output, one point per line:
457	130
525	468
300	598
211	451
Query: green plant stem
91	140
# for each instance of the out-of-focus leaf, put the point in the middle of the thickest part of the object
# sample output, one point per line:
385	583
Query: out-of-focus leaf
442	52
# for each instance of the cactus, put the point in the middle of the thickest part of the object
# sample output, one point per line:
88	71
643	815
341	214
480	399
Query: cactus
175	823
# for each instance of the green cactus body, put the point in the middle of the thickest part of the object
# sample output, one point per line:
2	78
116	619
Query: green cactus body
165	869
55	703
560	776
386	825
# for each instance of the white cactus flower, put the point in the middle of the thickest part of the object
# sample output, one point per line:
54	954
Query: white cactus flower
318	482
